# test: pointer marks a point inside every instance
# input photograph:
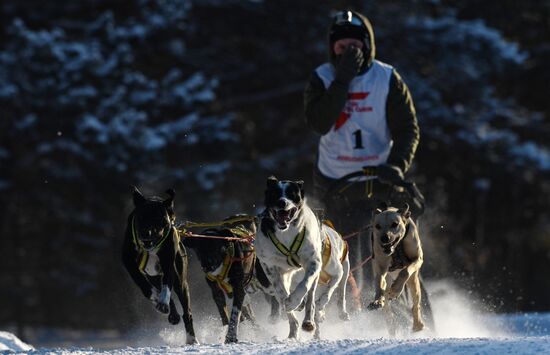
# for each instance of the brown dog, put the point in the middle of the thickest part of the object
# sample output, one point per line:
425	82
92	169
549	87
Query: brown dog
397	253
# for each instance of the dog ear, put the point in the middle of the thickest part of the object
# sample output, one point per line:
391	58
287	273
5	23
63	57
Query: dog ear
382	206
404	211
137	196
300	184
171	192
169	202
271	181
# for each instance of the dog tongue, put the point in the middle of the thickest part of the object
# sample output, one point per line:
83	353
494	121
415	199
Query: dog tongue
283	216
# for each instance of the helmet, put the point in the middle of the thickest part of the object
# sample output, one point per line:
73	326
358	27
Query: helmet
347	24
350	24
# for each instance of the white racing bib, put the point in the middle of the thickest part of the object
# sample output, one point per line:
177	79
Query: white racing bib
360	137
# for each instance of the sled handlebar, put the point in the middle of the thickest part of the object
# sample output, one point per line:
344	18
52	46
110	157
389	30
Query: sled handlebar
342	183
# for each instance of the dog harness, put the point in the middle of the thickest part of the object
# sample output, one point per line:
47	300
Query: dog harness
292	257
143	254
228	261
222	275
324	277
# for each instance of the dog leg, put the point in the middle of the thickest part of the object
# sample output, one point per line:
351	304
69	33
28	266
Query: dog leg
311	274
293	323
238	299
187	317
341	292
414	286
173	316
129	260
275	309
391	322
164	300
309	322
281	284
248	314
356	304
399	283
167	260
219	300
326	294
181	288
380	289
317	334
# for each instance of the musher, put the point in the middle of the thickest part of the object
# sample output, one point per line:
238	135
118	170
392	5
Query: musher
365	115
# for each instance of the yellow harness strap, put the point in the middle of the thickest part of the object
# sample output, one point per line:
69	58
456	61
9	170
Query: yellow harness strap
369	184
292	257
226	266
324	277
143	257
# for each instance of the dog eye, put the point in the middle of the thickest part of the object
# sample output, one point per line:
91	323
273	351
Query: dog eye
377	226
394	224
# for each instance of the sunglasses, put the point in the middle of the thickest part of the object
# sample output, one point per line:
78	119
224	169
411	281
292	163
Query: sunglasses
347	18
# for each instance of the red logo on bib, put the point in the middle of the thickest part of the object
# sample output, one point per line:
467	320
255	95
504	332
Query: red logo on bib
352	105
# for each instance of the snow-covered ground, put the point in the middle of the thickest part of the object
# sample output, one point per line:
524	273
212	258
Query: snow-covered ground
461	328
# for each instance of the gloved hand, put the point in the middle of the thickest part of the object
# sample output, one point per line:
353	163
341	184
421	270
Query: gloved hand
389	174
349	64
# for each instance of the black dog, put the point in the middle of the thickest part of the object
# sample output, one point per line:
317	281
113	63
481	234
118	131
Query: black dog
230	266
156	259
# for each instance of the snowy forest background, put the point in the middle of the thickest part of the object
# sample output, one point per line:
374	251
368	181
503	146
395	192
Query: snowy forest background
206	97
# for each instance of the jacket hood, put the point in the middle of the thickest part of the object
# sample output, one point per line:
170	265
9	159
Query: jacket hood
369	48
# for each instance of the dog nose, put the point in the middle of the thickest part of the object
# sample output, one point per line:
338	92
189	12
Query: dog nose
281	203
385	238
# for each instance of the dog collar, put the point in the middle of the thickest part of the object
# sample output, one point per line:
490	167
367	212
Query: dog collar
291	254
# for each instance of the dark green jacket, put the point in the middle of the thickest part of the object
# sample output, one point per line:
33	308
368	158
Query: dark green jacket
323	106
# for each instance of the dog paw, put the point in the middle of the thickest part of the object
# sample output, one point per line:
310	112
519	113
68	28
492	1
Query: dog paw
321	316
418	326
174	318
162	308
344	316
308	326
191	340
231	339
377	304
274	318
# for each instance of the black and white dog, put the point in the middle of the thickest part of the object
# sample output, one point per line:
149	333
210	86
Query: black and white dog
289	239
156	259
